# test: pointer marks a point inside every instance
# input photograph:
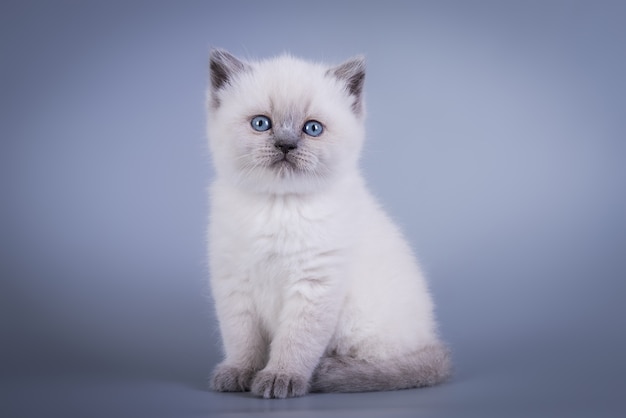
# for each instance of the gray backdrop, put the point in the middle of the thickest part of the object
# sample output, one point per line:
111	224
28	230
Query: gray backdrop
496	138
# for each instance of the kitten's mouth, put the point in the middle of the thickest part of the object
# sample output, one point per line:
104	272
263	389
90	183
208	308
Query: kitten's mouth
284	165
284	161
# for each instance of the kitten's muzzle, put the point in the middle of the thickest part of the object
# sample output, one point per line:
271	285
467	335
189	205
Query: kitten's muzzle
286	139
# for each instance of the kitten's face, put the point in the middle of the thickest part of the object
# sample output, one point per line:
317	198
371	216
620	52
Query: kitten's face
284	125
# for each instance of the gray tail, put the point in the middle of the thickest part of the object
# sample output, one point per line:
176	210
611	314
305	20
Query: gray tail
427	367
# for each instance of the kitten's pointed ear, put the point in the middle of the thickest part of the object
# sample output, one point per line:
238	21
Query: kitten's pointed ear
352	72
223	66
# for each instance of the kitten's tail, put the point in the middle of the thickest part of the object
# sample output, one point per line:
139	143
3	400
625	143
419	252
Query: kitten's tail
427	367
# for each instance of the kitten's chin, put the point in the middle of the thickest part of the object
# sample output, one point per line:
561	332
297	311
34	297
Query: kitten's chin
283	177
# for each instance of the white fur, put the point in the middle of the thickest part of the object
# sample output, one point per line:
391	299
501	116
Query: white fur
304	264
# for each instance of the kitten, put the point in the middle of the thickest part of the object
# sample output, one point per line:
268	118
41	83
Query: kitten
315	288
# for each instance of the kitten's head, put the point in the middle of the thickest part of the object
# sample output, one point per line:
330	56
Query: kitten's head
285	125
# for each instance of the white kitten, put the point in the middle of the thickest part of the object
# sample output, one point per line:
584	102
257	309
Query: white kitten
315	288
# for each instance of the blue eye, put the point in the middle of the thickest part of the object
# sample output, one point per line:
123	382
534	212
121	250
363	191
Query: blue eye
261	123
313	128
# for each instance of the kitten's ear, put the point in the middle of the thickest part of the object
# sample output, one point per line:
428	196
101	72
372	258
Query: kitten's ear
352	72
223	66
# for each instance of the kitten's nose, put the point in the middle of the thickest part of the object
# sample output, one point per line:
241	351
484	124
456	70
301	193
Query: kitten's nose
285	146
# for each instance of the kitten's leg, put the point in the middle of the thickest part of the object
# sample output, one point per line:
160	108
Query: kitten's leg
426	367
244	345
307	323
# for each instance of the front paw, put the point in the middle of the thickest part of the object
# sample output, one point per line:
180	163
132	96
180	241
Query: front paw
270	384
227	378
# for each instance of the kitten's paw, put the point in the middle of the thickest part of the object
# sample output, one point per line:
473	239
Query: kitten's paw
269	384
227	378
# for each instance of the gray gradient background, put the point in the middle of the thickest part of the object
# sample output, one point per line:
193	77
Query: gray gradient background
496	138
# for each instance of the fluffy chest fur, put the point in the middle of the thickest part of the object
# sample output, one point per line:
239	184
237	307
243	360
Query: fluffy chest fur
279	245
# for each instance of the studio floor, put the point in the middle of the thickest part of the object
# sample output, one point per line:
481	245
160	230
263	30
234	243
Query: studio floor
513	383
